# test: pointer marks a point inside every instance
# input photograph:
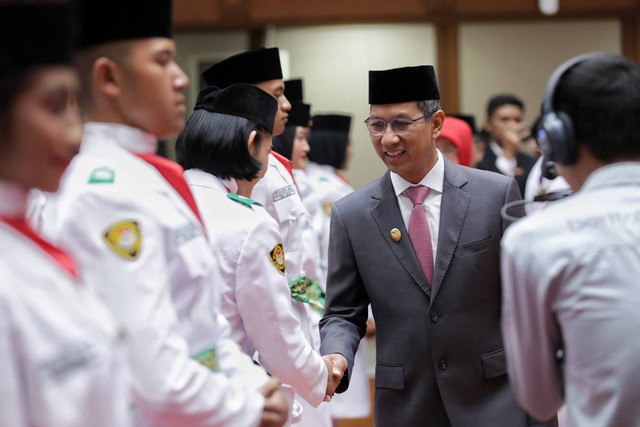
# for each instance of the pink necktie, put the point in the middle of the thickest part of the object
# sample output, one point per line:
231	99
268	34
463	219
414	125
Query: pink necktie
419	230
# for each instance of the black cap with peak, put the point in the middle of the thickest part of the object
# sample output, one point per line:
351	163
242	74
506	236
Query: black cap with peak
254	66
117	20
403	85
243	100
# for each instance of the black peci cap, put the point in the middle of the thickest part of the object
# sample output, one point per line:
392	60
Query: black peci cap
403	85
293	90
117	20
299	115
243	100
33	34
251	67
333	122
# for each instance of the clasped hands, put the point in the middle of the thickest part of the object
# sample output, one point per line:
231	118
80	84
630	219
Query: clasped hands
336	367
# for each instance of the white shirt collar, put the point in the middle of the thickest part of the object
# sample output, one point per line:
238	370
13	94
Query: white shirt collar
13	200
201	178
434	178
130	138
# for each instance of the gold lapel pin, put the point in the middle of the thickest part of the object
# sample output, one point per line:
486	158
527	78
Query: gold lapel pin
396	235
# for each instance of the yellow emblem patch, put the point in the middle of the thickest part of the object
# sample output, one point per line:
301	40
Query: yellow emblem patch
277	258
124	239
326	207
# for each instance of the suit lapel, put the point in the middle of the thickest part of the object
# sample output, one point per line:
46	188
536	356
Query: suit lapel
387	216
453	212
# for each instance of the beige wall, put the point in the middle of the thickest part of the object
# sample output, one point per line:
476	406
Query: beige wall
519	58
334	60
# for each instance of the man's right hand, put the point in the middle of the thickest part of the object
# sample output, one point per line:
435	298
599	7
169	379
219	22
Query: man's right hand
276	408
336	366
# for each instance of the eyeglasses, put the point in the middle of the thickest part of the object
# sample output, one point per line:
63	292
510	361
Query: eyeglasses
400	126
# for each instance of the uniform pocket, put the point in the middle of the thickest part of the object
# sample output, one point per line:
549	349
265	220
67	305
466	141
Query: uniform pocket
391	377
494	364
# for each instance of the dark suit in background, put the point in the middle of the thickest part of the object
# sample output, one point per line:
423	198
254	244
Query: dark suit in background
524	164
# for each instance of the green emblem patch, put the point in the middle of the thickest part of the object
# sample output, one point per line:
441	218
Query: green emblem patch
208	358
102	175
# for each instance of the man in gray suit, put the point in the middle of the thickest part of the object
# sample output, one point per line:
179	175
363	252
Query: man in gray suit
429	268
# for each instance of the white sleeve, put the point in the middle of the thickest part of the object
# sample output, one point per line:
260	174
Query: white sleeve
264	301
169	385
13	410
235	363
531	334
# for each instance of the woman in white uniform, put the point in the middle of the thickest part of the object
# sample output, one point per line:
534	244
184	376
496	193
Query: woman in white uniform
329	142
62	362
224	148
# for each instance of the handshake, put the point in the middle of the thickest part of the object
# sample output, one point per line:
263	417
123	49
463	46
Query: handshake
336	367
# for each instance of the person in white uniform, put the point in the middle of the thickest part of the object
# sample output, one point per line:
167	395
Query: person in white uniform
224	148
570	287
277	192
63	361
292	144
129	218
330	152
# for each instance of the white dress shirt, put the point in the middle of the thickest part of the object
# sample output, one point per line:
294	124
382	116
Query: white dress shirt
570	282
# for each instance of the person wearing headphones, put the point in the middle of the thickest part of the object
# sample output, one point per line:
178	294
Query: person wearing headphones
569	272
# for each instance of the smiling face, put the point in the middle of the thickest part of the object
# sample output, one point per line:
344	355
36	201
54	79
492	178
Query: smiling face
152	88
275	88
44	130
413	154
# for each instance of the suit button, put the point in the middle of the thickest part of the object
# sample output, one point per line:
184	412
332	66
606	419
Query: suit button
442	365
435	318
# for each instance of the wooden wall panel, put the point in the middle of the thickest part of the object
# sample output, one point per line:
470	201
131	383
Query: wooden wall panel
295	11
631	38
447	70
195	14
225	14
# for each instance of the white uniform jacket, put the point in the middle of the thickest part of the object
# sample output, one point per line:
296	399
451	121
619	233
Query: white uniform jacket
256	299
570	282
277	192
328	188
148	256
62	359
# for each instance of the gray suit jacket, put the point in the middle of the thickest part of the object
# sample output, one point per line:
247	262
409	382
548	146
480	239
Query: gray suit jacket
440	358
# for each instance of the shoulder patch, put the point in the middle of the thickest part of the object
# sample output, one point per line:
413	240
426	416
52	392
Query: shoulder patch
326	207
277	258
242	200
102	175
124	238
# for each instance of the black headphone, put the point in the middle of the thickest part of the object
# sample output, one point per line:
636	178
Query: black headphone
555	133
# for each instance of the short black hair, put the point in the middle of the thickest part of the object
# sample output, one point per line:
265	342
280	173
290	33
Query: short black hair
328	147
602	98
217	144
11	85
283	144
498	101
